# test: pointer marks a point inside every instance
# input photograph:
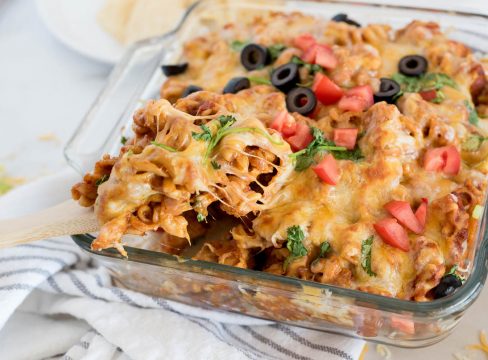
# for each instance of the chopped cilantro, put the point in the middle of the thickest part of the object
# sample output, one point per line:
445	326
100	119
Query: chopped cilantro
123	140
163	146
259	80
452	271
4	187
473	143
101	180
431	81
275	51
366	247
223	129
237	45
306	157
439	97
324	249
312	68
294	243
473	115
215	164
201	217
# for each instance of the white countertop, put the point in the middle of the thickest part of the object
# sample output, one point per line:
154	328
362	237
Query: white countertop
45	89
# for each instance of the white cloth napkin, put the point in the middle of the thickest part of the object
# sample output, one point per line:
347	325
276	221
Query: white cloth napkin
43	282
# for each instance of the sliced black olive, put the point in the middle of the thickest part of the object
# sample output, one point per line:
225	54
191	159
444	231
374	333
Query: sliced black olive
285	77
388	89
237	84
412	65
175	69
254	56
446	286
190	89
301	100
341	17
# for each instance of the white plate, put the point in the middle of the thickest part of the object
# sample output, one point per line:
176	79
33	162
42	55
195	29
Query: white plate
74	23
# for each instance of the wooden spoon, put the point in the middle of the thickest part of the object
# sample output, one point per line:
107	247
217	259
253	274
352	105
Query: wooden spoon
67	218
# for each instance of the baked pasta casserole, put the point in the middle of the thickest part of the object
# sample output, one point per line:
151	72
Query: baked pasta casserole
344	154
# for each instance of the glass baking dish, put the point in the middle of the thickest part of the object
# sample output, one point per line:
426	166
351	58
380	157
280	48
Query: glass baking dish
259	294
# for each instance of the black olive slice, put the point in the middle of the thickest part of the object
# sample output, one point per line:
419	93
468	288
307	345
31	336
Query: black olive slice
301	100
446	286
237	84
388	89
285	77
174	69
190	89
412	65
254	56
341	17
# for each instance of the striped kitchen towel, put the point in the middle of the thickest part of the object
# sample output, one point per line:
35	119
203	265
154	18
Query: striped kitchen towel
54	278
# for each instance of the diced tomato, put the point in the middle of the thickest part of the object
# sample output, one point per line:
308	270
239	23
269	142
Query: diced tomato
326	91
301	138
284	123
403	324
445	158
393	233
428	95
358	98
327	170
304	41
453	160
421	212
310	54
325	57
345	137
402	211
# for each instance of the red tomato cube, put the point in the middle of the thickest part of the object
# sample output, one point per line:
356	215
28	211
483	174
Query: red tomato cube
304	41
326	91
357	99
445	158
421	213
393	233
345	137
284	123
327	170
402	211
301	138
325	57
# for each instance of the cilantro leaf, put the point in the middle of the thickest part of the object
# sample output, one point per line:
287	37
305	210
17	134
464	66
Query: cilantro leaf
201	217
275	51
324	249
259	80
306	157
473	143
215	164
473	115
312	68
101	180
237	45
123	140
366	247
206	135
163	146
452	271
294	244
226	120
431	81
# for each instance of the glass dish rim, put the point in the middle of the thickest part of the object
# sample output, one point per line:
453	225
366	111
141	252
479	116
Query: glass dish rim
458	301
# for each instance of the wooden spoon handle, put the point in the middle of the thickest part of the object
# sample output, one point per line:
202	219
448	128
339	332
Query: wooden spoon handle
67	218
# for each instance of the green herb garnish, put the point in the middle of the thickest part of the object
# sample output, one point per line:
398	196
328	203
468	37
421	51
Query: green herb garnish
201	217
215	164
123	140
431	81
237	45
163	146
275	51
259	80
306	157
223	129
101	180
452	271
324	249
294	243
312	68
473	143
366	247
473	115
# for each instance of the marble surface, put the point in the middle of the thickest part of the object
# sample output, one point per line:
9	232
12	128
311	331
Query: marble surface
45	89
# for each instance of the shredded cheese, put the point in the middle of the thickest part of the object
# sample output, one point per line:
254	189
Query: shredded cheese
363	352
483	345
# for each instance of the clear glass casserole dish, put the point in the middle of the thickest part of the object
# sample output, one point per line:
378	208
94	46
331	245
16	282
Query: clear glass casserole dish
263	295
